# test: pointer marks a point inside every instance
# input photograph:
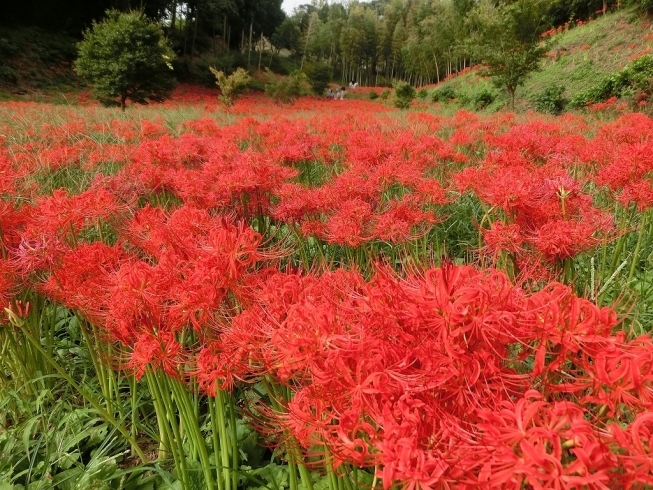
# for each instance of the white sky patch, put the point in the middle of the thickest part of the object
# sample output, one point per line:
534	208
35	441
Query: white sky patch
289	5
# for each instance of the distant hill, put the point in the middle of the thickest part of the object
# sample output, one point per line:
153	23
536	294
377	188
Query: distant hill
578	57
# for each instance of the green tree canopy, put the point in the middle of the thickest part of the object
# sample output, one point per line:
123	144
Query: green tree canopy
126	57
506	38
287	35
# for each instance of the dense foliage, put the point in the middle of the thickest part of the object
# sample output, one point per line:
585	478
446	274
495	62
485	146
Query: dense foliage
126	57
506	40
231	86
635	79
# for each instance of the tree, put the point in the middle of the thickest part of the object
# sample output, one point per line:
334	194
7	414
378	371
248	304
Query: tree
126	57
506	39
319	75
287	35
404	95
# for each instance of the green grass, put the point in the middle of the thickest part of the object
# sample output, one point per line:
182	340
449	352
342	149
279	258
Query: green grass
577	59
590	52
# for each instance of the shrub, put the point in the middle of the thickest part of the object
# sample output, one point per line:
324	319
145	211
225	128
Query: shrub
423	94
285	89
639	74
197	70
635	77
483	98
319	76
404	95
8	74
385	94
231	86
373	95
444	94
8	48
126	57
551	100
383	82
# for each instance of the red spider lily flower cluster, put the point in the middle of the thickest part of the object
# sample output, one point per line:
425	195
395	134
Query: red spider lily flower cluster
453	378
182	269
547	214
450	378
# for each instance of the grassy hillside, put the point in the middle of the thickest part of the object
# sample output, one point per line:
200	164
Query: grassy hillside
577	59
33	60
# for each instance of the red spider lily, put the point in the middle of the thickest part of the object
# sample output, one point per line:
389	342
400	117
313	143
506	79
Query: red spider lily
502	237
561	239
350	224
640	193
83	277
402	220
66	216
8	286
155	351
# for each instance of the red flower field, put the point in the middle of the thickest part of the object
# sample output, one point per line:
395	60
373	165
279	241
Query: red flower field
389	299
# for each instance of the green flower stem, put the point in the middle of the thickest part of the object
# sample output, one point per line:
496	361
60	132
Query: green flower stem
193	432
225	448
99	368
164	438
640	235
176	441
292	472
15	320
134	408
215	432
235	454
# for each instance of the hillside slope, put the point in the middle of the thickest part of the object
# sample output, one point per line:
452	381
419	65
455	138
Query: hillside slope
577	58
32	59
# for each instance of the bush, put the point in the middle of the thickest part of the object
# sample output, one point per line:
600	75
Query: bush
319	75
444	94
603	90
483	98
404	95
285	89
373	95
8	74
126	57
635	77
385	94
383	82
231	86
423	94
639	74
551	100
8	48
198	70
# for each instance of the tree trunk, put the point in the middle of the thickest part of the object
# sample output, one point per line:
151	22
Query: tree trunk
224	33
192	46
511	93
308	38
123	102
186	32
174	16
260	52
437	69
249	53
